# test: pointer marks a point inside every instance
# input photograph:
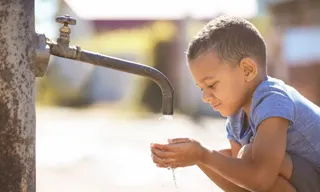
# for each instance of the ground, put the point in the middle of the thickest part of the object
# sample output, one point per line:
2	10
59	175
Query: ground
98	151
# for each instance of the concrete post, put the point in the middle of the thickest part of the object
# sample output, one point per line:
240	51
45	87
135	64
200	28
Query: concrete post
17	96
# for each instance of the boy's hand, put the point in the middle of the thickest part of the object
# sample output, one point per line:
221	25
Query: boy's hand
179	152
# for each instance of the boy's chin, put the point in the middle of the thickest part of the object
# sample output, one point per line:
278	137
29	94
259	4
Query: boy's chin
225	113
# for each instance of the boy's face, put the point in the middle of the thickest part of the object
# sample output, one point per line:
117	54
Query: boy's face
223	86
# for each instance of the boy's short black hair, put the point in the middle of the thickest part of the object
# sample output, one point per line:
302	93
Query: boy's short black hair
231	38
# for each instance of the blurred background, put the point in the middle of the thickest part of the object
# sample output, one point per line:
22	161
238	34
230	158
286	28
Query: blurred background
95	125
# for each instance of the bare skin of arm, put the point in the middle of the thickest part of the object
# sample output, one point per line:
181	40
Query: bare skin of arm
221	182
261	170
236	151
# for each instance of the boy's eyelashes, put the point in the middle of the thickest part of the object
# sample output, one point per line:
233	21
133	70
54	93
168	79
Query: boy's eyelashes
212	86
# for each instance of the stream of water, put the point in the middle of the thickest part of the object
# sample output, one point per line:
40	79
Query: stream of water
170	118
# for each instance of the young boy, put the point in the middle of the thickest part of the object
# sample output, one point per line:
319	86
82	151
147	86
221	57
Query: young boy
274	132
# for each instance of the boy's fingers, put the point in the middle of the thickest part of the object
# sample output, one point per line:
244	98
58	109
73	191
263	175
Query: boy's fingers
163	165
164	147
159	160
172	165
162	154
176	165
178	140
156	159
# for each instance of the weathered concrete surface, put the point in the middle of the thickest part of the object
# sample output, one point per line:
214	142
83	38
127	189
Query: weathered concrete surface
17	111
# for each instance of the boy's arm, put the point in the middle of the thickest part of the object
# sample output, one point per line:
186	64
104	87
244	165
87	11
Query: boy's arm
268	151
221	182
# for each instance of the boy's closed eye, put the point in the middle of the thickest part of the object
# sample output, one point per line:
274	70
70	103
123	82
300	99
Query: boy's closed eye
210	86
213	85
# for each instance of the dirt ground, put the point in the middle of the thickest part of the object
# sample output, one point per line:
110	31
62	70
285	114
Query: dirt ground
97	151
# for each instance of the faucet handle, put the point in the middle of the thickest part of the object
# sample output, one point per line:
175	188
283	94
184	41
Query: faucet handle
66	20
65	31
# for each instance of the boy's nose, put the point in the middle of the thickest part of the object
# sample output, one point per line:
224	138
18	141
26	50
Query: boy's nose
207	97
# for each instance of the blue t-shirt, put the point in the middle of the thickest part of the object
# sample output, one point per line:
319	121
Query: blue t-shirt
273	98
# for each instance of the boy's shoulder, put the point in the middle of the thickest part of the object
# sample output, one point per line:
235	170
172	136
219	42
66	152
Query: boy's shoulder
272	97
271	87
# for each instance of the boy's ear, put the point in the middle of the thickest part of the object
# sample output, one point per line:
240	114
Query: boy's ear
250	68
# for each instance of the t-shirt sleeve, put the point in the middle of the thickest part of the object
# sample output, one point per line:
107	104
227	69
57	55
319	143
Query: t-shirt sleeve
230	134
273	104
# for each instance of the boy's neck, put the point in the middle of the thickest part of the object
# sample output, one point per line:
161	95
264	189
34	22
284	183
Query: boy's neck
246	108
256	83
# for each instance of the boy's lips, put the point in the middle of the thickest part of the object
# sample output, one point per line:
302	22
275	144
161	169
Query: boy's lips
215	106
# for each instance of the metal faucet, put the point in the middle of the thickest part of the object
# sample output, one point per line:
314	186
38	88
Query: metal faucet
61	48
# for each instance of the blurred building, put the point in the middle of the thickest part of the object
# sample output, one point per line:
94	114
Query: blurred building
295	44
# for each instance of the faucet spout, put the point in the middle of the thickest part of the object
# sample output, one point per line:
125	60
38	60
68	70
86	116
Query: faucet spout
138	69
75	53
